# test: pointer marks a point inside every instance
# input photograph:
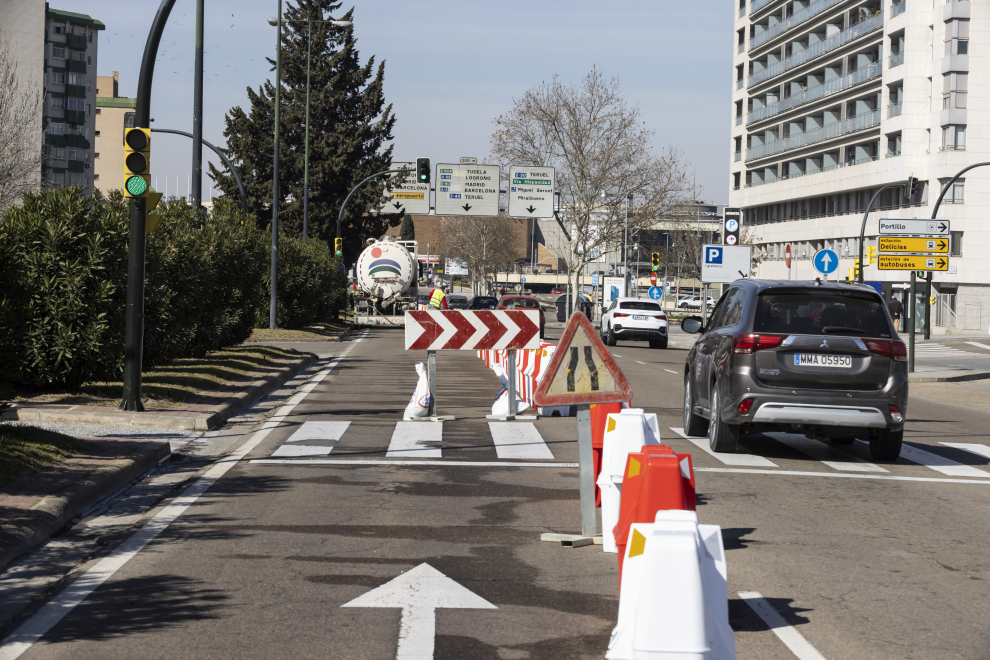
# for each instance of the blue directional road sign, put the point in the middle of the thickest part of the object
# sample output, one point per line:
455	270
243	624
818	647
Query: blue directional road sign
826	261
594	280
522	279
656	293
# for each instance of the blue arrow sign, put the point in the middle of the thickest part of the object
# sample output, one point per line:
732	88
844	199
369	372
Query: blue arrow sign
826	261
656	293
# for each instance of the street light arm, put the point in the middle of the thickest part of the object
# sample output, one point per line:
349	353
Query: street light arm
226	162
862	230
948	185
340	216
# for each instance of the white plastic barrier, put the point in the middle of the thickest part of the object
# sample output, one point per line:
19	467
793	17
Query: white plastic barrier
625	432
674	602
530	367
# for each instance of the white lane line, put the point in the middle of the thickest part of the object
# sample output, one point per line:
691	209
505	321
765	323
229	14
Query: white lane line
409	463
826	453
839	475
519	440
728	459
792	639
413	440
55	610
973	448
669	371
638	362
979	345
939	463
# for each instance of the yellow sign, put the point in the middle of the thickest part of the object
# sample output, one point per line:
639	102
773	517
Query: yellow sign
405	195
912	262
914	244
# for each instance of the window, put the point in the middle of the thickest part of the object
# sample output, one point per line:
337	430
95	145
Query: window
56	128
89	60
58	53
76	179
77	79
58	78
957	194
89	109
59	29
97	134
821	313
96	155
90	35
954	138
645	306
955	249
57	103
962	48
75	104
74	154
58	178
733	309
96	177
97	111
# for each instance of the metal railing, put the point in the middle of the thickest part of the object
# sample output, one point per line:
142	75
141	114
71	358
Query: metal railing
738	120
814	51
741	47
738	156
739	83
861	75
898	8
757	5
892	154
894	109
794	19
896	59
742	12
826	168
855	124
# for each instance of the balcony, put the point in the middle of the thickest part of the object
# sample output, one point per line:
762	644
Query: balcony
75	66
757	5
894	109
78	91
738	120
739	84
896	59
815	51
741	47
819	171
898	8
794	19
75	116
76	41
738	156
75	166
855	124
857	77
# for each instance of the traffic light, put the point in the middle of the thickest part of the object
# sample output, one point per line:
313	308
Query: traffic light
911	187
338	246
856	269
422	170
871	254
137	162
656	261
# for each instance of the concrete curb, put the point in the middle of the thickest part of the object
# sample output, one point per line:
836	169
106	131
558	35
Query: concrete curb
959	378
205	421
39	523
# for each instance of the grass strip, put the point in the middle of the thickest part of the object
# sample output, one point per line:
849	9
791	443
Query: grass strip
315	332
30	449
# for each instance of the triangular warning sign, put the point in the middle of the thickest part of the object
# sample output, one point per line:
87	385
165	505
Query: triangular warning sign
581	370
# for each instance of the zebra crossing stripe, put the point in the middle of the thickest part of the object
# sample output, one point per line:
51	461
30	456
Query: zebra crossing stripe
519	440
826	454
728	459
416	440
973	448
939	463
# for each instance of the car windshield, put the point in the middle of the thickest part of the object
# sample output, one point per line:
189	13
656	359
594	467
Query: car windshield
647	306
485	303
520	303
820	313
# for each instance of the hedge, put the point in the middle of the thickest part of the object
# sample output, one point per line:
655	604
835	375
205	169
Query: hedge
63	279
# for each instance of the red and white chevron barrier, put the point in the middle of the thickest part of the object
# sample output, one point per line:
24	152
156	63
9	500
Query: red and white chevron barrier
472	329
530	366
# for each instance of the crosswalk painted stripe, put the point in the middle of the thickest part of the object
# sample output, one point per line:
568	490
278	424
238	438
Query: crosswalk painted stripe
729	459
519	440
832	475
373	462
973	448
939	463
416	440
930	350
826	454
291	451
331	431
978	345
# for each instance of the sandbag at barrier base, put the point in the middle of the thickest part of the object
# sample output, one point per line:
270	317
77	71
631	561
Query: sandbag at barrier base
675	600
419	405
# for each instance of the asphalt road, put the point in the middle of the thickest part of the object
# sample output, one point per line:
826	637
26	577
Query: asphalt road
863	560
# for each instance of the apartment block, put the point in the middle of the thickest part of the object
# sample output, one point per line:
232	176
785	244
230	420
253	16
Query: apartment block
113	114
833	99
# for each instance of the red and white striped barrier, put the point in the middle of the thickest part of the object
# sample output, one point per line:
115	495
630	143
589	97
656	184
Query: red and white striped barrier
530	367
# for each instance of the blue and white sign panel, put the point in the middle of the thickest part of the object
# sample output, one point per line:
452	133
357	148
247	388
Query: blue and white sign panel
594	280
467	189
826	261
531	192
725	263
522	279
656	293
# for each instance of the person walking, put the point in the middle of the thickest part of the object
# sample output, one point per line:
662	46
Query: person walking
895	308
438	299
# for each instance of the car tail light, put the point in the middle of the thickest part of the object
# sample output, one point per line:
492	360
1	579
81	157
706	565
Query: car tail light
745	406
620	316
896	414
896	350
752	343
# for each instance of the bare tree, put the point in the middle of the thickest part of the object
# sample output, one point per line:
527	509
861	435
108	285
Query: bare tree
604	161
484	244
21	153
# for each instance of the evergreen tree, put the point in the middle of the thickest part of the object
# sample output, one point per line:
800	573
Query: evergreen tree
407	231
349	128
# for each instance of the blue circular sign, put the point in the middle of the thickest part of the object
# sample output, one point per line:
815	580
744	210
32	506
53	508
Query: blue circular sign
522	279
656	293
826	261
731	225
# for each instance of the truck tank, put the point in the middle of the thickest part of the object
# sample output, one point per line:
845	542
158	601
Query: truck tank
385	271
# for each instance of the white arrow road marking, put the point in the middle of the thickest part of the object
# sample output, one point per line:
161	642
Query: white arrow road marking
791	638
419	593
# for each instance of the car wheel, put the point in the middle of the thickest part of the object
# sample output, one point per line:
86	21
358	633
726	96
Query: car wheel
694	425
611	339
886	445
722	437
842	441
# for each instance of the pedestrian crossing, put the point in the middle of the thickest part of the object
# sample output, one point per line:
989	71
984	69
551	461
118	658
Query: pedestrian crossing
929	350
844	460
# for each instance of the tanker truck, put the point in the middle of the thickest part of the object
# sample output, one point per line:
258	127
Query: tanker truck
386	276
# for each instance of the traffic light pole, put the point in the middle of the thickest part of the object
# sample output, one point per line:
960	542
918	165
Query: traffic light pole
862	230
134	311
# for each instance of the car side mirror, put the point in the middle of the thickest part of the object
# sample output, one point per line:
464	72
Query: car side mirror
692	325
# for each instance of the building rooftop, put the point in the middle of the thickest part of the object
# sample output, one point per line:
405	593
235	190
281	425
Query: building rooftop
115	102
73	17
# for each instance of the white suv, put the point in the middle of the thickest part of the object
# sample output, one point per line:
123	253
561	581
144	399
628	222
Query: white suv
637	319
694	302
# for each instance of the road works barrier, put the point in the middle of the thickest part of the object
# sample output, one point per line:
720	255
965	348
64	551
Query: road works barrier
624	432
530	365
655	479
599	416
676	601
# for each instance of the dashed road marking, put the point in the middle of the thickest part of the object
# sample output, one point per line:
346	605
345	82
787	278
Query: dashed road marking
791	638
410	463
826	454
728	459
519	440
841	475
670	371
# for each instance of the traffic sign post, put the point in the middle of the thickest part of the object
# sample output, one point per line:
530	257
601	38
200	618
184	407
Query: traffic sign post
411	196
531	192
581	373
826	261
467	189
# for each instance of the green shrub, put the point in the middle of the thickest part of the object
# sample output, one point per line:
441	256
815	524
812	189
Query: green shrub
311	283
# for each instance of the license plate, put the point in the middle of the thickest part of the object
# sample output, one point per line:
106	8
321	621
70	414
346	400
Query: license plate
640	317
821	360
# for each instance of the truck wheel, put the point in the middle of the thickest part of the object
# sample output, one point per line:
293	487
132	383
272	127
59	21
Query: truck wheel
722	437
886	445
694	425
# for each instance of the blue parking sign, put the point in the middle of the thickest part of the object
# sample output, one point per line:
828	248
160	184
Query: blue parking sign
713	255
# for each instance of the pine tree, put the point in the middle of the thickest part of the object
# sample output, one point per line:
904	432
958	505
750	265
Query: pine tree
407	231
350	126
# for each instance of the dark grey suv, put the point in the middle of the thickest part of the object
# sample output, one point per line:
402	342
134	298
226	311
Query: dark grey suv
821	359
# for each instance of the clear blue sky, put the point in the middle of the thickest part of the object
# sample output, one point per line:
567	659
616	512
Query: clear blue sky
451	67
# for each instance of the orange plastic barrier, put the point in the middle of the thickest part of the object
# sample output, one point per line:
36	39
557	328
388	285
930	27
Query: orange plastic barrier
656	479
599	416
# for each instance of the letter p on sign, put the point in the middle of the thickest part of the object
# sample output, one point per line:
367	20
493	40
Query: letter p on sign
714	256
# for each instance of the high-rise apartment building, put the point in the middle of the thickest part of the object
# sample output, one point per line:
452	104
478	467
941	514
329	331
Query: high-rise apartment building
113	114
832	99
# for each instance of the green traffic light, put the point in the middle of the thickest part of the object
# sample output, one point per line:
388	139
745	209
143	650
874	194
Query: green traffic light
339	253
136	185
